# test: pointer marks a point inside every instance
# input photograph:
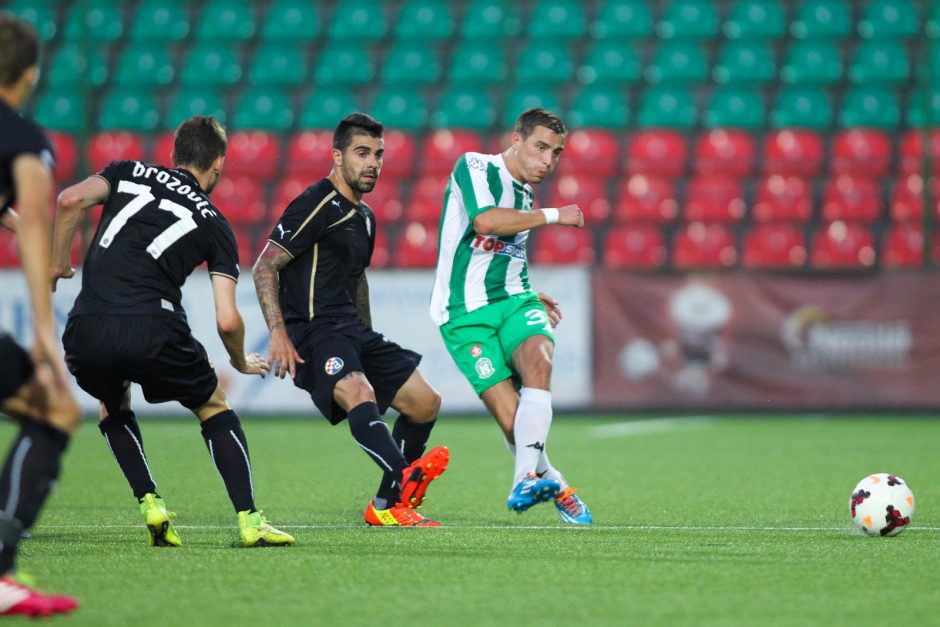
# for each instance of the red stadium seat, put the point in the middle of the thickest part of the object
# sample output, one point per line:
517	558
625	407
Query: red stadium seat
66	156
783	198
907	198
911	151
310	154
442	148
9	255
724	152
252	153
646	199
286	190
903	247
499	142
861	151
714	199
248	248
381	254
657	152
851	198
842	245
563	245
386	202
634	246
114	146
241	200
399	155
701	245
592	152
162	153
776	245
793	152
416	246
589	193
426	200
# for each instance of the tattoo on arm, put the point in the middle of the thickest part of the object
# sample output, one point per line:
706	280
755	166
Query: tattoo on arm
266	285
362	301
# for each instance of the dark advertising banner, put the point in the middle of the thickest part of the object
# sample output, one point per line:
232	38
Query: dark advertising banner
761	342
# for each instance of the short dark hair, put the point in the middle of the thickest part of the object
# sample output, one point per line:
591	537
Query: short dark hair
538	116
198	142
19	48
355	124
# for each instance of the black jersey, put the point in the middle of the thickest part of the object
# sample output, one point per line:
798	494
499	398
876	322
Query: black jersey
18	136
156	227
330	240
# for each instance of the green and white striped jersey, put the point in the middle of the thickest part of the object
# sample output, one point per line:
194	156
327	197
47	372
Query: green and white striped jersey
474	270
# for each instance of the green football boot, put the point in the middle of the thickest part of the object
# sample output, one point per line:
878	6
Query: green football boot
157	519
254	530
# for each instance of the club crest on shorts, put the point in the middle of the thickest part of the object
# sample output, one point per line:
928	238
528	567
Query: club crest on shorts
485	368
333	365
476	351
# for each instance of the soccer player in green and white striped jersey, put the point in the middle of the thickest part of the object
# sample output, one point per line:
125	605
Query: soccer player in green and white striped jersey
497	329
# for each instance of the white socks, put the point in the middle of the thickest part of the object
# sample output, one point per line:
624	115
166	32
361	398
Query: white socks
533	420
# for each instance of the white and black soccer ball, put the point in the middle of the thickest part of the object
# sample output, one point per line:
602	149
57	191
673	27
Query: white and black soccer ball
882	505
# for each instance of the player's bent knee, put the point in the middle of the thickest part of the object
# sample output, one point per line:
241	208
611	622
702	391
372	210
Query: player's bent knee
353	390
216	404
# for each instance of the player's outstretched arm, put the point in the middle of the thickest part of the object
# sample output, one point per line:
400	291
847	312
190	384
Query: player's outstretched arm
499	221
8	220
71	204
283	356
231	328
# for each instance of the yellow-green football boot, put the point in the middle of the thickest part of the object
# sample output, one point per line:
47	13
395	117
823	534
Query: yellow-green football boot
157	519
254	530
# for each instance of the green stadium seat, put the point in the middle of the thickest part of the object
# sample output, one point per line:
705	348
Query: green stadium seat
402	108
191	101
344	64
678	62
128	109
144	64
324	108
755	19
892	19
870	106
932	26
278	64
95	20
822	19
802	107
356	21
412	63
211	64
735	107
226	20
623	19
924	108
62	110
41	16
812	62
744	62
464	107
425	20
542	62
474	64
70	66
263	109
928	66
667	107
291	20
879	61
610	61
490	19
688	19
524	97
557	19
160	20
598	106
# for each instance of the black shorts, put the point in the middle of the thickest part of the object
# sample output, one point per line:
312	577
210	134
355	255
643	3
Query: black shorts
105	353
17	366
333	348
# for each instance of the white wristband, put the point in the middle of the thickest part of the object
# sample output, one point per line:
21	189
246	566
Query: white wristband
551	215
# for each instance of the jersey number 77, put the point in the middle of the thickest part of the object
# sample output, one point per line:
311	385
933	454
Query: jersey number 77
143	197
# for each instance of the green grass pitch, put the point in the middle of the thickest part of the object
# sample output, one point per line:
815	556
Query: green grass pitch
718	521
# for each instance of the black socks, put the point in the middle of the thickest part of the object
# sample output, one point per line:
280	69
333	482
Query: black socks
123	437
229	450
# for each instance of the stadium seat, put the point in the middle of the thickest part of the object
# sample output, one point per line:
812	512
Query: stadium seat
416	246
592	152
871	106
292	186
794	152
248	248
879	61
324	108
643	198
66	156
381	251
903	247
427	199
343	64
146	65
489	20
441	149
668	107
610	62
130	109
386	201
403	108
932	25
252	154
928	62
735	107
851	199
911	151
278	65
191	101
264	109
699	245
162	151
660	153
99	21
310	154
889	19
622	19
924	108
907	199
72	65
714	199
9	253
241	199
226	20
635	246
774	246
780	198
688	19
839	245
599	106
411	63
544	63
588	192
861	151
747	62
525	97
474	64
822	19
400	154
291	21
211	65
814	61
354	21
678	62
160	20
41	16
425	20
557	20
802	107
726	152
562	246
107	147
761	20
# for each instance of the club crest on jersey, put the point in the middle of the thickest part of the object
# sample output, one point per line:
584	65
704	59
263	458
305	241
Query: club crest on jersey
498	247
333	365
476	351
485	368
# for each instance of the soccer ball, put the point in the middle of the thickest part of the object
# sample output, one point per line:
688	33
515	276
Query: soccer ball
882	505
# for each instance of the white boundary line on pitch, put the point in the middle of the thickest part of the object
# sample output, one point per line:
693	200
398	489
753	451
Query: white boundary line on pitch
515	527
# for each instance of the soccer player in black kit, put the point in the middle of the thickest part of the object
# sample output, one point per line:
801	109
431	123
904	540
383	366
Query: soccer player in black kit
127	324
312	289
34	387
